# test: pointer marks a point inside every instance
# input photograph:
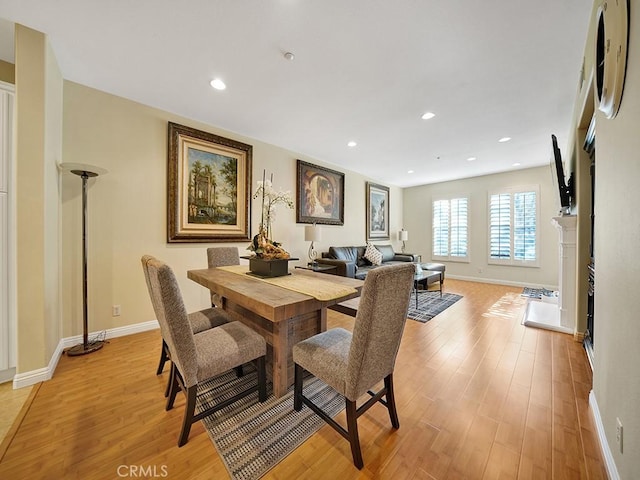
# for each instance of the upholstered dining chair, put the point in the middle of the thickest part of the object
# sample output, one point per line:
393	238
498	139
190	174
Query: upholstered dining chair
221	257
353	364
200	321
199	357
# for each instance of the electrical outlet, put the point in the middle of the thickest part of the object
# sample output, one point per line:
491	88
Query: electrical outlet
619	434
115	311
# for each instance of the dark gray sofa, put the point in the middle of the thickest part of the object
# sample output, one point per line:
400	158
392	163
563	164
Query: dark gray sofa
350	261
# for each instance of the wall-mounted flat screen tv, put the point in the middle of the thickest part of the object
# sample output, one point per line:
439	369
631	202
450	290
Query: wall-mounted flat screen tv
564	188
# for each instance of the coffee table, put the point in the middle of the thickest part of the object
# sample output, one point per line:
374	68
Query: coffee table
426	278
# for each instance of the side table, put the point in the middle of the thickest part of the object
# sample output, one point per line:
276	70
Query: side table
318	268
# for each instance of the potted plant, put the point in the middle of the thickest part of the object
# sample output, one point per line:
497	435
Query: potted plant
269	258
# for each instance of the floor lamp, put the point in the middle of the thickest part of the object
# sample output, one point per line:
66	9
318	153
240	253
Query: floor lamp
85	172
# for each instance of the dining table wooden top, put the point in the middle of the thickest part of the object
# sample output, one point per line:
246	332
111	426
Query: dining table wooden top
272	302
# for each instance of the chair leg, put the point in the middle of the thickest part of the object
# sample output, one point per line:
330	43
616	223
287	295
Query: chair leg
352	427
391	401
189	409
262	379
163	358
174	388
170	381
297	388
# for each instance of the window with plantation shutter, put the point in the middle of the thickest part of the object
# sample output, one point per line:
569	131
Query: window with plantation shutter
500	228
524	226
513	227
450	224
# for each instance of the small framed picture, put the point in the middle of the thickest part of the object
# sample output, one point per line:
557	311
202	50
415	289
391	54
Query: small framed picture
377	212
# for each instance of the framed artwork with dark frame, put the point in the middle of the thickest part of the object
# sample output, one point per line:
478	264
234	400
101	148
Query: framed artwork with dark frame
377	212
319	195
208	187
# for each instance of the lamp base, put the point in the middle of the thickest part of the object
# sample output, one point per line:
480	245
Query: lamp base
83	349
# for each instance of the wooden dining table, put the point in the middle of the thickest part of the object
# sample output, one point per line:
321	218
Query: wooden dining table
282	316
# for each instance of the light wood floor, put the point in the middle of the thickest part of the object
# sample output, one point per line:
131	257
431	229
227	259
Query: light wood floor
479	397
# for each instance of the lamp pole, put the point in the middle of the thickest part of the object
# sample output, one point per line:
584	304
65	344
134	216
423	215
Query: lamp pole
86	346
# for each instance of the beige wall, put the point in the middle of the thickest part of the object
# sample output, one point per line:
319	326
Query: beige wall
7	72
38	146
52	202
616	381
127	207
418	217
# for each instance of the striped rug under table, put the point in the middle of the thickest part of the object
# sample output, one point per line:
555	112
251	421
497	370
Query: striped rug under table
253	437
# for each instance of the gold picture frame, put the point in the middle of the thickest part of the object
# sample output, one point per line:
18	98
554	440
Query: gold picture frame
208	187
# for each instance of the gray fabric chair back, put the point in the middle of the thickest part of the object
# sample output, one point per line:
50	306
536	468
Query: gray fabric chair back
378	327
145	268
222	256
173	319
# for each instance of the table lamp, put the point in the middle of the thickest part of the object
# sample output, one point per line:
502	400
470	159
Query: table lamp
312	233
403	236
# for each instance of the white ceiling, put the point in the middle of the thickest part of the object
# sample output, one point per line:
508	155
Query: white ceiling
364	70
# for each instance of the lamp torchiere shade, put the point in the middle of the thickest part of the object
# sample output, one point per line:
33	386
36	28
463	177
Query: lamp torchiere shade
312	233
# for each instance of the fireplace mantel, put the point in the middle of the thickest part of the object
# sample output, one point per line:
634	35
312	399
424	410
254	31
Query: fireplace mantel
560	317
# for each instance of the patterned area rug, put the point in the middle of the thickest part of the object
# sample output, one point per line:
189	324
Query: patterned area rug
252	437
537	292
430	304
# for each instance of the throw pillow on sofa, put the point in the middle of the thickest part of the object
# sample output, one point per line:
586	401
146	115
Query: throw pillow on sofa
372	254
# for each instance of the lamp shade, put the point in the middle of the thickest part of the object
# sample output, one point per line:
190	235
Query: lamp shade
312	233
403	235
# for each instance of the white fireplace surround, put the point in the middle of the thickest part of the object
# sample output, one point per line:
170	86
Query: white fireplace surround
560	316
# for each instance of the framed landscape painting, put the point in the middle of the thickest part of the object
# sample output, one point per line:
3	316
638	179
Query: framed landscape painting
319	194
208	187
377	212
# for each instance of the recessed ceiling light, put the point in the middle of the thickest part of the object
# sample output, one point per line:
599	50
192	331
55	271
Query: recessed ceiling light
471	159
428	115
516	164
218	84
410	171
351	144
289	56
504	139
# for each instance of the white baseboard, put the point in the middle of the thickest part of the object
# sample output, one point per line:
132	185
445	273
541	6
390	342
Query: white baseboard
43	374
610	464
7	375
499	282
